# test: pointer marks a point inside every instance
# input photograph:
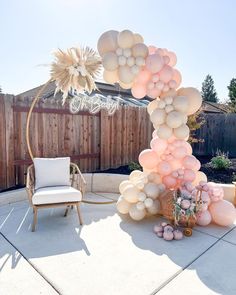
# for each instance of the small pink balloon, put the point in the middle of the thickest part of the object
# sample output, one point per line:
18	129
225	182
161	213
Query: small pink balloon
189	175
223	213
179	152
154	63
173	58
187	146
152	49
169	181
166	59
204	218
197	165
164	168
166	74
189	162
177	77
153	93
138	90
172	84
148	159
158	145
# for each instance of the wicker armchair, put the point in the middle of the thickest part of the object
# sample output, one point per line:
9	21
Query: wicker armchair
77	182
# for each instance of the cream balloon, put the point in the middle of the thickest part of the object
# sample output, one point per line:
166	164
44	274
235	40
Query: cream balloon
110	61
171	92
174	119
136	214
151	190
126	86
181	132
155	208
164	131
125	39
123	206
181	104
138	38
158	116
130	193
110	77
140	50
194	99
123	185
107	42
125	75
152	106
136	174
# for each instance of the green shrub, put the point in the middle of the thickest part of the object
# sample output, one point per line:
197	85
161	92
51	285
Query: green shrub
134	166
220	161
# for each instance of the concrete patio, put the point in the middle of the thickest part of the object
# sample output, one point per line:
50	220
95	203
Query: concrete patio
109	255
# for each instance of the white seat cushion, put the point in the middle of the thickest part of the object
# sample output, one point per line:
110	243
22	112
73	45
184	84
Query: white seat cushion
56	194
52	172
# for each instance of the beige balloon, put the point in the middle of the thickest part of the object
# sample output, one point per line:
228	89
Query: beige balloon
194	99
164	131
200	176
126	86
130	193
181	104
151	190
107	42
125	39
174	119
125	75
170	92
182	132
110	61
152	105
123	185
158	117
155	208
138	38
136	214
136	174
110	77
123	206
140	49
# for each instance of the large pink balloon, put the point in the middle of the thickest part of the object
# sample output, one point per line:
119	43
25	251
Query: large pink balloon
166	74
148	159
169	181
153	93
158	145
154	63
204	218
175	164
189	175
143	77
164	168
152	49
179	152
172	57
189	162
138	90
177	77
223	213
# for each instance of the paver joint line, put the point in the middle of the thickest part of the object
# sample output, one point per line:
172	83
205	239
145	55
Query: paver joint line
39	272
182	269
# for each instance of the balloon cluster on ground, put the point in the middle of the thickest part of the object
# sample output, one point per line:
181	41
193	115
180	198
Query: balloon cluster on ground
168	164
167	232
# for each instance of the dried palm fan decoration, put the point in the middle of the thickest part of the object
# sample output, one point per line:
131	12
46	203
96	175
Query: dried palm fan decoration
75	69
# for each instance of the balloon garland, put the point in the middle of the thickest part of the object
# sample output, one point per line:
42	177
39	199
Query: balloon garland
169	163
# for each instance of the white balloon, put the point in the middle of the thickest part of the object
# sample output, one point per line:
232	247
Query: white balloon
194	99
152	105
142	196
136	214
168	100
151	190
136	174
123	185
140	206
125	74
138	38
181	132
161	187
154	177
155	208
164	131
181	104
139	61
122	60
169	108
135	69
130	61
123	206
130	193
140	49
174	119
126	86
127	52
148	202
107	42
119	51
110	61
158	116
161	104
125	39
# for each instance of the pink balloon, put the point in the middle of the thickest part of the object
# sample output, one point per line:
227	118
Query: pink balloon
177	77
148	159
152	49
189	175
172	57
187	146
153	93
223	213
189	162
197	165
164	168
158	145
204	218
143	77
154	134
166	74
138	90
179	152
172	84
175	164
169	181
154	63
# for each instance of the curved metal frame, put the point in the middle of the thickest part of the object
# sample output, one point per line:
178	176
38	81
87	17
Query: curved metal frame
28	138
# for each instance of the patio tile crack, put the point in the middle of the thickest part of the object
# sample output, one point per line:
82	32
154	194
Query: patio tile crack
189	264
31	264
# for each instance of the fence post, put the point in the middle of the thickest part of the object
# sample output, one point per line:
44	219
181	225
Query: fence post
3	163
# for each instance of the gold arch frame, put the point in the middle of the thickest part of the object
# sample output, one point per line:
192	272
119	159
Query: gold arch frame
35	100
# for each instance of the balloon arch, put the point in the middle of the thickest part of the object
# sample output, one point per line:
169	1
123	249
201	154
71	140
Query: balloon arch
168	166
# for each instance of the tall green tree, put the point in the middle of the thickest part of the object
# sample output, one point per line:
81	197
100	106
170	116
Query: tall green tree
232	94
208	90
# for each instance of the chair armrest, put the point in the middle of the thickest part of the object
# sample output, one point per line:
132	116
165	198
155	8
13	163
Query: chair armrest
78	180
30	182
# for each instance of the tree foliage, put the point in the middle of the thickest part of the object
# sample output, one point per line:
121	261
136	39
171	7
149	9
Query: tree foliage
208	90
232	94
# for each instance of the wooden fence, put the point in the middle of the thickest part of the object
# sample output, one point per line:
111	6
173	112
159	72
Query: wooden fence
95	142
218	133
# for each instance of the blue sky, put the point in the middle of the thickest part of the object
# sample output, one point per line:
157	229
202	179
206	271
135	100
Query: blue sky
202	34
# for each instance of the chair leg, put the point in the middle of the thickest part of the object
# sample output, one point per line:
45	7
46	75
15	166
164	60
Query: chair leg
35	219
79	214
66	212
